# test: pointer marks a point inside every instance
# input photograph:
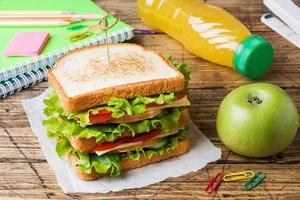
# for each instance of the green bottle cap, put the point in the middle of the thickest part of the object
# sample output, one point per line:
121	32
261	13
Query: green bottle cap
253	57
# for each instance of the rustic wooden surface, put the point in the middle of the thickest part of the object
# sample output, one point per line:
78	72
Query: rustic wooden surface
24	172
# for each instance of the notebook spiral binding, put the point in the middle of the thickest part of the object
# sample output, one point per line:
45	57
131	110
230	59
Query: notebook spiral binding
35	71
23	81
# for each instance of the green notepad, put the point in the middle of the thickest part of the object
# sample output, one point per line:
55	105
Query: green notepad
58	43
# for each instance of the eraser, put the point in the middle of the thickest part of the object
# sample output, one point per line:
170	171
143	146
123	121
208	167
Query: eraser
27	44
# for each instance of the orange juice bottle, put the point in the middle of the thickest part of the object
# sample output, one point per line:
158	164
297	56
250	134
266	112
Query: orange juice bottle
209	32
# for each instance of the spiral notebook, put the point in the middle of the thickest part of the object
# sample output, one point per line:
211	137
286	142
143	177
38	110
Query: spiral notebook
35	76
13	67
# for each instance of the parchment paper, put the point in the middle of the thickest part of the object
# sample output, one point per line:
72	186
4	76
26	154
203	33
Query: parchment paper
202	151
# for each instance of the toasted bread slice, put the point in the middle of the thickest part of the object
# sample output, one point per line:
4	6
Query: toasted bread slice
127	164
84	145
84	78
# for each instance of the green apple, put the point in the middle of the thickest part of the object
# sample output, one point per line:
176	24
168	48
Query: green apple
257	120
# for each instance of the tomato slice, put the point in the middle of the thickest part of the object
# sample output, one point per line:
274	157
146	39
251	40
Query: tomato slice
101	116
129	139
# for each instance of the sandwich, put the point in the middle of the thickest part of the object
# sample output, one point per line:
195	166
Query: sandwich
118	111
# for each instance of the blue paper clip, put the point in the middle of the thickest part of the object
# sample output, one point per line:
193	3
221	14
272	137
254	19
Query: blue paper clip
254	181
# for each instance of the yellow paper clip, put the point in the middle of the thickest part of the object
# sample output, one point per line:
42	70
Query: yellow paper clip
79	36
238	176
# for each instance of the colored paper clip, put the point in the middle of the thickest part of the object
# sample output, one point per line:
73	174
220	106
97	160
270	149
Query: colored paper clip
144	32
214	183
254	181
79	36
77	27
238	176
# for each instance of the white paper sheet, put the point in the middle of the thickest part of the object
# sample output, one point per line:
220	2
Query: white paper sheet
202	151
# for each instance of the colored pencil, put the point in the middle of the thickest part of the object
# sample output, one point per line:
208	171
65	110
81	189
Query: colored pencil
68	19
34	23
27	16
33	12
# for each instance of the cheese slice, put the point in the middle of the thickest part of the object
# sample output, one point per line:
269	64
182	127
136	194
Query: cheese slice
99	153
143	145
172	132
184	101
134	118
149	142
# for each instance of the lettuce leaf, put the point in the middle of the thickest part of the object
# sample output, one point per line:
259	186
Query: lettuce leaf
62	127
104	163
183	68
63	146
112	162
118	106
53	106
135	155
101	164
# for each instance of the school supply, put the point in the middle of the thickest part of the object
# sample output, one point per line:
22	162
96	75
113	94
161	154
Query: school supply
144	32
32	23
67	19
209	32
214	183
285	19
254	181
27	44
23	81
86	16
238	176
33	12
76	27
79	36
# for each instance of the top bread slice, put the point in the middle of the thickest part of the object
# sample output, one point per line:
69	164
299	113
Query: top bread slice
83	78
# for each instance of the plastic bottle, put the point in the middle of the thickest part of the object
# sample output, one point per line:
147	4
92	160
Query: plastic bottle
209	32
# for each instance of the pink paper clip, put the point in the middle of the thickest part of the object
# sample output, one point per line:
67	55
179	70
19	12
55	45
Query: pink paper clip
214	183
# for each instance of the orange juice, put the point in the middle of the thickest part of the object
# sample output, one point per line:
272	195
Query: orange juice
209	32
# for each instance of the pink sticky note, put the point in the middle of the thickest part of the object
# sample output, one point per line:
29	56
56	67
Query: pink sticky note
26	44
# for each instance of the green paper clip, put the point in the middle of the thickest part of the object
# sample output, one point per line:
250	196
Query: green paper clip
254	181
77	27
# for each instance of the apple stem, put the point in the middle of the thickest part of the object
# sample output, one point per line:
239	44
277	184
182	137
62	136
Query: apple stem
255	101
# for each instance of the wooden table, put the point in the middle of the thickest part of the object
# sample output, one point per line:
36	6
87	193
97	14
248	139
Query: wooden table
24	172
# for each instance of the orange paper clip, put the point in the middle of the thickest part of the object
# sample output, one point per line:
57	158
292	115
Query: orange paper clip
214	183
